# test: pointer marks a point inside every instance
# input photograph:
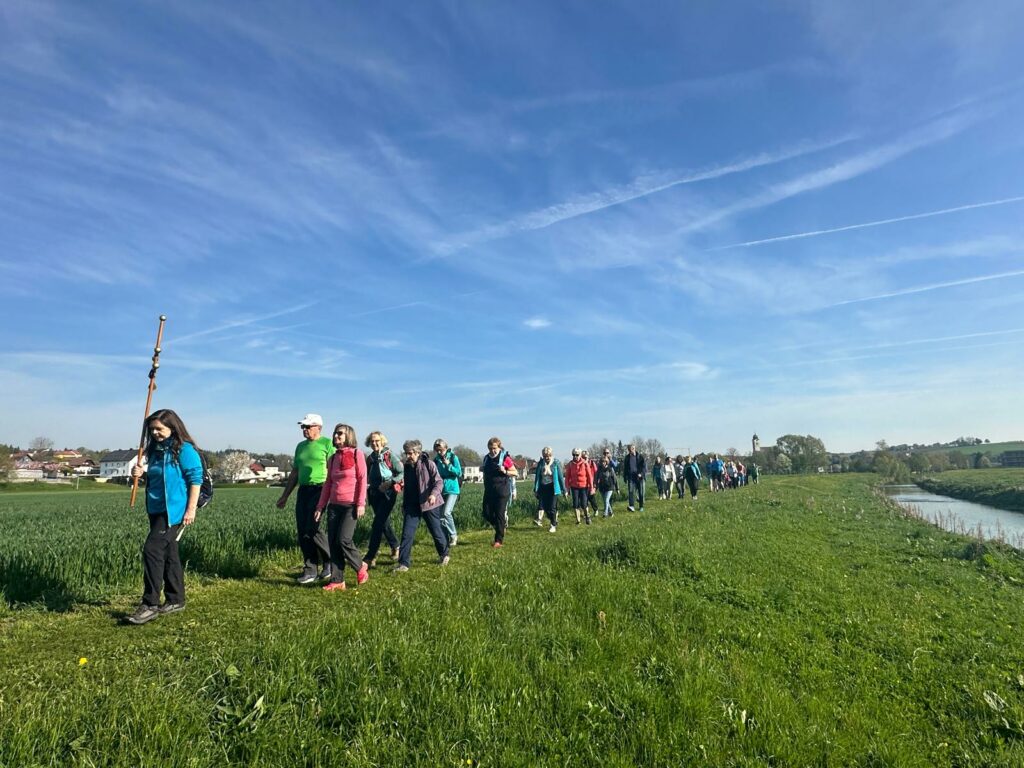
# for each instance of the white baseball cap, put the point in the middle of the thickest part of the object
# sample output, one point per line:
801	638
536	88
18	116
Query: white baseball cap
312	420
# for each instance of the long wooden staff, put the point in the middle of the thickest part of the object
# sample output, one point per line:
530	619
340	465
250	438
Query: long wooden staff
149	401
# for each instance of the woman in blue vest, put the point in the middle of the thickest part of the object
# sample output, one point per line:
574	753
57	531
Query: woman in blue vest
174	475
548	485
383	481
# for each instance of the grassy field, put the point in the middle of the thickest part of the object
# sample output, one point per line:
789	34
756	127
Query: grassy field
1002	488
804	621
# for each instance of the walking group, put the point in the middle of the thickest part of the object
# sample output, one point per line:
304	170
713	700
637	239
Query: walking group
333	481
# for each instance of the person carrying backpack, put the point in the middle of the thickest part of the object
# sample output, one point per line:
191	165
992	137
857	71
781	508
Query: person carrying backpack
450	469
497	468
383	482
580	479
691	474
607	483
174	475
548	485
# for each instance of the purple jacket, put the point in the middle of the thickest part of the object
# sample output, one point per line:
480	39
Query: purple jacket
428	480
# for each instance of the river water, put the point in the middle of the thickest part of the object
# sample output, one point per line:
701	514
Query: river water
965	517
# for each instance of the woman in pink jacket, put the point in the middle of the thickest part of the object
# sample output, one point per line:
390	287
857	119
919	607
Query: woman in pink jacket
344	498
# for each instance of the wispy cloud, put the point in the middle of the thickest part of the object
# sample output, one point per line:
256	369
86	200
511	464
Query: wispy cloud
866	224
844	170
536	323
640	187
926	288
244	321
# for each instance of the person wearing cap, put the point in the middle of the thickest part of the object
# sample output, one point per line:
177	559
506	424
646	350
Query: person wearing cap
309	471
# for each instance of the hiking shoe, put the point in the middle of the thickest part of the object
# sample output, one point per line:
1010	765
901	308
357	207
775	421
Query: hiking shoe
364	575
496	545
444	560
334	586
454	541
552	529
394	553
143	614
308	576
325	574
538	522
587	519
631	509
171	608
400	568
371	563
641	509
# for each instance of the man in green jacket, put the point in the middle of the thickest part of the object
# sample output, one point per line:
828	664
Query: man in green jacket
309	471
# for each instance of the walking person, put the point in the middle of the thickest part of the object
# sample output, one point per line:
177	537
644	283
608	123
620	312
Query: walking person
680	480
691	474
656	474
383	482
716	469
450	469
497	468
607	483
634	472
309	470
585	455
174	475
580	479
548	485
668	478
344	498
422	498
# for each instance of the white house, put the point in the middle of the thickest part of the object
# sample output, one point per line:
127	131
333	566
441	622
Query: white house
472	474
117	463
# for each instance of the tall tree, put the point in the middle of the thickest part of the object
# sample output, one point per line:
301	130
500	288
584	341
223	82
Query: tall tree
805	452
467	456
234	464
40	444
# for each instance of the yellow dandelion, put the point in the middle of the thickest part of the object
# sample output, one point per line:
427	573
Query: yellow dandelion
83	661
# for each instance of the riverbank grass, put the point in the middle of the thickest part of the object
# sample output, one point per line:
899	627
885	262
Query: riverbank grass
804	621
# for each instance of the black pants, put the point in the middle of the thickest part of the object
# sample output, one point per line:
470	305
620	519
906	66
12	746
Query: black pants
636	487
692	482
382	504
161	565
312	540
341	526
495	505
549	502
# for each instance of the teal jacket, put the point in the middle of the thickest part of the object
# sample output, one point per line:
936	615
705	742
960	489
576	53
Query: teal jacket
168	481
556	477
450	474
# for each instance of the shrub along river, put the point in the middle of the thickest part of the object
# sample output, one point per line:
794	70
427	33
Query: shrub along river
965	517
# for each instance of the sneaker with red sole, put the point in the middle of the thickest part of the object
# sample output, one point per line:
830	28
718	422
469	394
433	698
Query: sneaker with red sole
334	586
363	576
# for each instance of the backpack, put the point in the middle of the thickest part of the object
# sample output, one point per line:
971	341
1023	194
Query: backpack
397	476
206	487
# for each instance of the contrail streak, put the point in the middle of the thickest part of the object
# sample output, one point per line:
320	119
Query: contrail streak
867	224
924	288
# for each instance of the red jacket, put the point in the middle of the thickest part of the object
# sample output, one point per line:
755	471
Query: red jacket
578	474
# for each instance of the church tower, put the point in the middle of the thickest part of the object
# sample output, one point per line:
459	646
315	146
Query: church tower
755	445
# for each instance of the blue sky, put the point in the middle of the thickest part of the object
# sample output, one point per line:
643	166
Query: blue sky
553	222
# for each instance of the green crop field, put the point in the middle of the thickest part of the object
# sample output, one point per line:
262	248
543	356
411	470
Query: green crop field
1002	488
804	621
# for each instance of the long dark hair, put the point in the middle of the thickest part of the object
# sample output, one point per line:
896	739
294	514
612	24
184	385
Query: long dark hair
179	433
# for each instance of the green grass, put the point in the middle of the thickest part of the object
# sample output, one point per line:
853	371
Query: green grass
1002	488
804	621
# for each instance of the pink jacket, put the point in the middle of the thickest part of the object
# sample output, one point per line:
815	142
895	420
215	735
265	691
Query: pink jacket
346	479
